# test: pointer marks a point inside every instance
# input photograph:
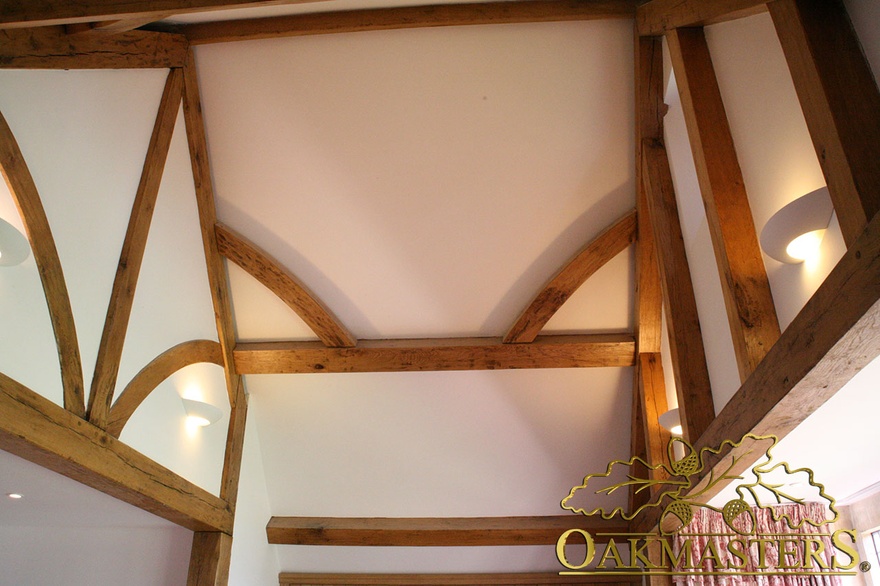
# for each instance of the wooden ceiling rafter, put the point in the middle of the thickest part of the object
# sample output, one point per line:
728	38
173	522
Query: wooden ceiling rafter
840	100
658	16
54	48
212	549
751	313
24	13
434	531
156	371
38	430
133	247
695	403
508	579
284	284
407	17
592	257
30	207
436	354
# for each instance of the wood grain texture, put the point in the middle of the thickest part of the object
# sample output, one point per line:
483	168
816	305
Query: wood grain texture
658	16
38	430
652	394
432	354
217	278
637	445
518	579
840	101
751	313
432	531
592	257
833	337
28	13
24	193
53	48
132	254
285	285
152	375
209	559
234	448
649	124
685	337
407	17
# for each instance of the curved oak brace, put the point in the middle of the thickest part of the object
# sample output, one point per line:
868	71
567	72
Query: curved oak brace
152	375
132	254
285	285
27	199
562	286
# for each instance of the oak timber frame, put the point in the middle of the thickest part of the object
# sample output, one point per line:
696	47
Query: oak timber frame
785	376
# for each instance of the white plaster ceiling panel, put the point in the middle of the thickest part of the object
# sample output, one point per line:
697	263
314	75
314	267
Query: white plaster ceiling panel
437	444
423	182
84	135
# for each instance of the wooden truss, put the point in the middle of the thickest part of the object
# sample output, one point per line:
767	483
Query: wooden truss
784	376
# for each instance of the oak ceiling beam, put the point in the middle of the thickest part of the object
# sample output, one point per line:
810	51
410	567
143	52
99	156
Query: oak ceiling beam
132	254
658	16
695	402
407	17
152	375
27	13
435	354
840	101
612	241
434	531
751	313
27	199
284	284
53	48
36	429
515	579
210	559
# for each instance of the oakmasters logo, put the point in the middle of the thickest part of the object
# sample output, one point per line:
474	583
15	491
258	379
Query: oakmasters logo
776	522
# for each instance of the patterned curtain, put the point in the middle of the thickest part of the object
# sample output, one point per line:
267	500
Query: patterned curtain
707	521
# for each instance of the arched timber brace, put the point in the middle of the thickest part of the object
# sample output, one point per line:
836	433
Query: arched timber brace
590	259
285	285
133	247
24	192
152	375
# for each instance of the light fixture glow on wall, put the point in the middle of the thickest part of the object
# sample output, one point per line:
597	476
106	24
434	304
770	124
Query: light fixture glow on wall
671	421
14	248
794	233
201	414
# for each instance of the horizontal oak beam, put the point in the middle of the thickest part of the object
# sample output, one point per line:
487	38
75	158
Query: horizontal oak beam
284	284
36	429
432	354
407	17
433	531
658	16
28	13
515	579
592	257
53	48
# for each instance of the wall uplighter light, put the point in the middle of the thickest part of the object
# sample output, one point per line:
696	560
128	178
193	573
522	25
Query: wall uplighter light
201	414
794	233
14	248
671	421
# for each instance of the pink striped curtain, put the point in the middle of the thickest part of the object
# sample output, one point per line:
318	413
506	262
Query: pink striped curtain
707	521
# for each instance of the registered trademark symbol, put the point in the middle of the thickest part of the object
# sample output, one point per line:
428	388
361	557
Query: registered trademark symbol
865	566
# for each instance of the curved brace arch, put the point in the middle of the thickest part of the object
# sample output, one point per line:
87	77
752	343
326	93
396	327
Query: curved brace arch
30	207
152	375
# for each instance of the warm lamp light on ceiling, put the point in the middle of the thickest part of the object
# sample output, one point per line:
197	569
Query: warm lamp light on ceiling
14	247
794	233
201	414
671	421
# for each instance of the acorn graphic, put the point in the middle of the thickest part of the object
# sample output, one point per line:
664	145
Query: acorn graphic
739	516
689	464
676	515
